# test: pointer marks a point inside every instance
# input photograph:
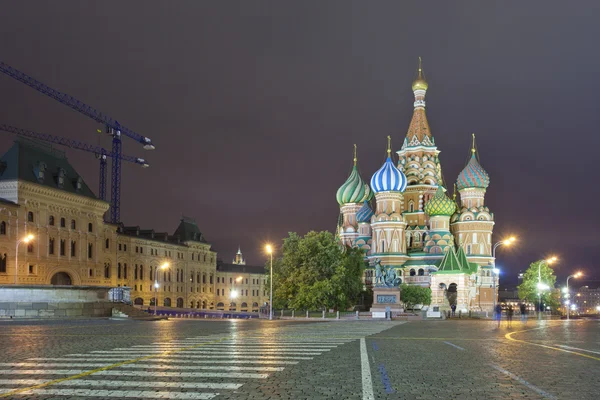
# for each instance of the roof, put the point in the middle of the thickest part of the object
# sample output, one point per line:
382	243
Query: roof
248	269
188	231
455	263
37	162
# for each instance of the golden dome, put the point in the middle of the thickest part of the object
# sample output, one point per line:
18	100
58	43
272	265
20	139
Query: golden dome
420	83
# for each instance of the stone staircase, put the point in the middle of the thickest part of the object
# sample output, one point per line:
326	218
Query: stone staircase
122	310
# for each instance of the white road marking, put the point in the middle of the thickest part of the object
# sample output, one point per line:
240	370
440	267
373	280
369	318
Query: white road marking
112	372
524	382
144	384
118	394
211	356
142	353
453	345
236	349
246	345
577	348
173	360
367	382
202	367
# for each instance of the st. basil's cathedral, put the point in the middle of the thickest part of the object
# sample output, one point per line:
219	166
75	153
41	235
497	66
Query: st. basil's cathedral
405	220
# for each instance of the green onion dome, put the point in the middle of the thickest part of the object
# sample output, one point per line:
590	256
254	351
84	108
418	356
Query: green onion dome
440	204
354	190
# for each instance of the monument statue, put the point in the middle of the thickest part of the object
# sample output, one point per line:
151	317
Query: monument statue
385	276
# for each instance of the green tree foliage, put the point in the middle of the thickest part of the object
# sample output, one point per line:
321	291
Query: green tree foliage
528	290
413	294
314	273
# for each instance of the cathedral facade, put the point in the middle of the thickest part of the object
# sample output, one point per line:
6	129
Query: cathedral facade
404	218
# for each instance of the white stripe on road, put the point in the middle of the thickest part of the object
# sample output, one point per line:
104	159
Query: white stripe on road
173	360
147	366
145	384
453	345
247	345
135	373
367	383
524	382
141	353
577	348
235	350
118	394
211	356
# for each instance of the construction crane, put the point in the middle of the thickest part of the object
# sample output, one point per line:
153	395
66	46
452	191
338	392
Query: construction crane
100	152
112	126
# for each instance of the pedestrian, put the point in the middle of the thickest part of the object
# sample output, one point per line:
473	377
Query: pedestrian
509	315
453	307
498	314
523	310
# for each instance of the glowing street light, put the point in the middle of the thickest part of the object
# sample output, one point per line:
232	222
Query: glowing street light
496	271
26	239
156	285
542	286
269	249
234	294
575	275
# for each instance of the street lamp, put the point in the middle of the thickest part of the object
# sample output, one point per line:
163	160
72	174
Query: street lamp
269	249
495	271
233	294
26	239
156	285
542	286
576	275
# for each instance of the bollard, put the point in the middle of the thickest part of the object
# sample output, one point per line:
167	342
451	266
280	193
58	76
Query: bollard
356	314
323	314
293	313
306	313
459	314
337	315
282	313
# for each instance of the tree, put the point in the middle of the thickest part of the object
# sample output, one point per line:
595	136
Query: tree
413	294
314	272
528	290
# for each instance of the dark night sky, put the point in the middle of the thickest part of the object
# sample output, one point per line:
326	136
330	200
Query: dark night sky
254	107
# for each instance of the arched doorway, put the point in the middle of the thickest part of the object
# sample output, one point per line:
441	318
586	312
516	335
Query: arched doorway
138	301
61	278
220	306
179	302
152	301
204	304
167	302
452	294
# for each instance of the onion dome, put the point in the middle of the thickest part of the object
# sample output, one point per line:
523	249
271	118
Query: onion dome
473	175
388	178
420	83
365	213
354	190
440	204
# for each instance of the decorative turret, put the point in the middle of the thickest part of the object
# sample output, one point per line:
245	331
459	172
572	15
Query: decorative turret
388	178
239	258
440	204
350	196
473	175
418	131
439	208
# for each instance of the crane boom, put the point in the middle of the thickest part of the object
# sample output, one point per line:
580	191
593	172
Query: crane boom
75	104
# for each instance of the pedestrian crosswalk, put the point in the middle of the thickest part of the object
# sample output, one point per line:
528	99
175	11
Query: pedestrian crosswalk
200	367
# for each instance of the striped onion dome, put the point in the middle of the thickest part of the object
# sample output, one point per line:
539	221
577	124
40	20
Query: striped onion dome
440	204
354	190
388	179
473	176
365	213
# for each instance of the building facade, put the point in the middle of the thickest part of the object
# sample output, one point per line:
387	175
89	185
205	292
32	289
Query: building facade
42	195
404	218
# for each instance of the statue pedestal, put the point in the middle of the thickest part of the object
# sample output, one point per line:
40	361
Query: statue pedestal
384	297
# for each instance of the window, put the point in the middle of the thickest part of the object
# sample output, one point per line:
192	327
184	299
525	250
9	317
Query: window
141	272
412	272
124	247
120	247
62	247
91	272
29	216
51	220
137	249
31	270
421	272
124	271
73	245
230	280
63	223
107	243
90	227
203	278
211	279
3	263
118	270
141	250
73	224
2	228
51	246
90	250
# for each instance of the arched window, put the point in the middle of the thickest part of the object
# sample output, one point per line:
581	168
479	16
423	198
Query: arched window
51	220
124	271
107	270
135	272
73	225
204	278
3	263
141	272
29	216
90	227
151	275
30	247
118	270
421	272
63	223
107	243
411	206
412	272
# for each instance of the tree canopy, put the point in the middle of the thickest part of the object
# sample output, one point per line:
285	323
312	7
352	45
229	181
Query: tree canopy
314	272
414	294
528	290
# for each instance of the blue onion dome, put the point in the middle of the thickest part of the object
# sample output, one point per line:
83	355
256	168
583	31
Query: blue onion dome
354	190
440	204
473	175
365	213
388	178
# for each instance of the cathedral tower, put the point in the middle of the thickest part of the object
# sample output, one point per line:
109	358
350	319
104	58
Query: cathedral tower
239	258
473	224
389	242
439	239
350	197
418	158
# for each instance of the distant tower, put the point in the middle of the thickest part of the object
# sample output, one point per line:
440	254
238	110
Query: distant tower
418	159
440	208
350	196
239	258
389	243
472	226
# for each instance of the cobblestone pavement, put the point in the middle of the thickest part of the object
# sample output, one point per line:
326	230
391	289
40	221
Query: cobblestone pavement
252	359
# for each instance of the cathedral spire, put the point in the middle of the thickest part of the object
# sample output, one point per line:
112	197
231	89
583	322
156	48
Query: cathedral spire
355	159
418	131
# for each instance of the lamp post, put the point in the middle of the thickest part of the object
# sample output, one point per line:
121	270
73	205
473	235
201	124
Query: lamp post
234	293
26	239
163	267
542	286
576	275
496	271
270	251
